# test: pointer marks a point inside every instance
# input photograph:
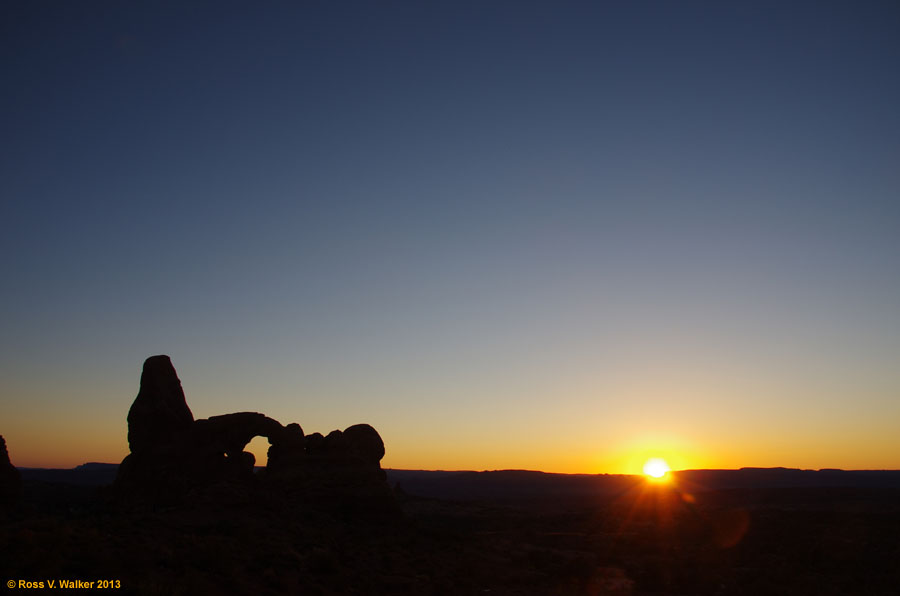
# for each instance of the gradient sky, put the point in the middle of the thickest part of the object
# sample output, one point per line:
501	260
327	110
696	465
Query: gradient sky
560	236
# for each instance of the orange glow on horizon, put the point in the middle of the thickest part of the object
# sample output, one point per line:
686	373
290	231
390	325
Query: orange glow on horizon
57	445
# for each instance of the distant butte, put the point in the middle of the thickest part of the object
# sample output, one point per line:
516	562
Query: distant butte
174	457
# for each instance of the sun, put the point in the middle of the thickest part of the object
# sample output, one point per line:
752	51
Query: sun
656	468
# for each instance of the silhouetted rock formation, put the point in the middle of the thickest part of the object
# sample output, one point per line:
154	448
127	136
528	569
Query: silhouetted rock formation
10	480
173	455
364	442
289	451
339	472
159	413
230	433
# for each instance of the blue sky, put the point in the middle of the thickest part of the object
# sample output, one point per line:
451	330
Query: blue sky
621	227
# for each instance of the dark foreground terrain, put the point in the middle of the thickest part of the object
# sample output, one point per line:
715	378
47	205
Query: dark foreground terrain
707	532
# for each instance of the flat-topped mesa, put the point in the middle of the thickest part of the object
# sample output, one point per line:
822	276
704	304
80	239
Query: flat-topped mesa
10	480
160	412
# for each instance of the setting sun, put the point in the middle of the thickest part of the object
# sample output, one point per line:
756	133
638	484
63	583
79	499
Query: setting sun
656	468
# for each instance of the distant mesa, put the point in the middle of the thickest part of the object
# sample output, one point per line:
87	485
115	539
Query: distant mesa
174	457
10	480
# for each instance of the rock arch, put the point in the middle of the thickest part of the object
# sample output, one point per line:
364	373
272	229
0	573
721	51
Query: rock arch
173	455
230	433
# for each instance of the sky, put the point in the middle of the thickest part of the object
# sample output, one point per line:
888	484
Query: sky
558	236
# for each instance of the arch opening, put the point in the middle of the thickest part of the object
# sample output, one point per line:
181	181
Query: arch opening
259	447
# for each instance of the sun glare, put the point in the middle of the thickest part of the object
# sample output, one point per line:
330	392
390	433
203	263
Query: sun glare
656	468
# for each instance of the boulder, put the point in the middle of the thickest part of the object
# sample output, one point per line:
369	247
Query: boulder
364	442
334	442
315	444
